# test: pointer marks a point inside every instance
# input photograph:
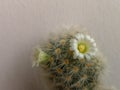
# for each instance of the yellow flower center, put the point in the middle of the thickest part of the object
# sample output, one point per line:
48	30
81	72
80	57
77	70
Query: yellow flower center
82	48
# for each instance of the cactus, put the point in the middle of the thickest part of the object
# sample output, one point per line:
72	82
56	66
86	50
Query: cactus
65	71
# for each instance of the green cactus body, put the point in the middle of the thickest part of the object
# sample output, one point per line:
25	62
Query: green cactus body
68	73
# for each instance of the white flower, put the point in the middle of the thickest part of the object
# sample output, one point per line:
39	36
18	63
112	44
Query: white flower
83	46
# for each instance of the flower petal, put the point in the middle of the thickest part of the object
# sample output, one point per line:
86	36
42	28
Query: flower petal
94	44
82	36
80	56
77	36
88	57
92	40
88	37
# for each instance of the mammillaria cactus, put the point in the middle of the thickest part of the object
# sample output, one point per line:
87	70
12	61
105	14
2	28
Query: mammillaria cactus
71	60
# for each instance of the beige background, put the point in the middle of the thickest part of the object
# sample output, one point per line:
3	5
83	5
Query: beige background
23	23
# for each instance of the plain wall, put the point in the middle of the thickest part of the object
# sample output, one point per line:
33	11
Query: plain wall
24	23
